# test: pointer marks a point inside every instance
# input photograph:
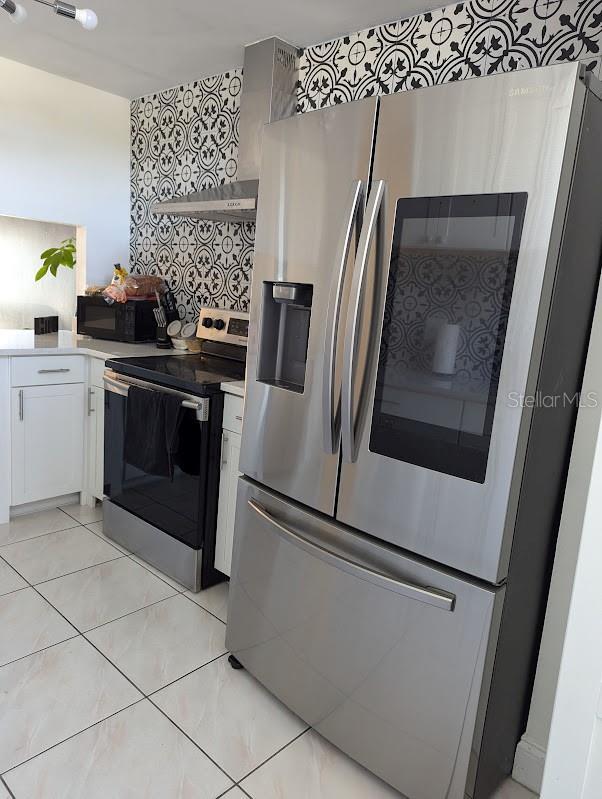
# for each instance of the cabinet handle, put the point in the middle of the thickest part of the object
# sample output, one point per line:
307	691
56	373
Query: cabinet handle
224	455
20	404
52	371
239	418
90	395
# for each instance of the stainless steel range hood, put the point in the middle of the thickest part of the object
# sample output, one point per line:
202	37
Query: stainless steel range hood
268	94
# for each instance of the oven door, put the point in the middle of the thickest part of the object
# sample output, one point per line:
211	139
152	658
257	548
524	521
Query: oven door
450	301
174	505
383	655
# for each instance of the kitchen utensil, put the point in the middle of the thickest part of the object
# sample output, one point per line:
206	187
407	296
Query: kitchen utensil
174	329
188	330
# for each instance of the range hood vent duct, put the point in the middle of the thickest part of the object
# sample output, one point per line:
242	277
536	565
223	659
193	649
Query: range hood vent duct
268	94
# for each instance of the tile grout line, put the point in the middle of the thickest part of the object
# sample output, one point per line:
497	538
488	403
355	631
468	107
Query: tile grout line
78	635
271	757
188	673
77	571
132	555
200	748
68	738
40	535
81	634
79	521
8	790
144	696
190	599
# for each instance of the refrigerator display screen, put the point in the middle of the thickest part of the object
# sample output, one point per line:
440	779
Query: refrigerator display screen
449	290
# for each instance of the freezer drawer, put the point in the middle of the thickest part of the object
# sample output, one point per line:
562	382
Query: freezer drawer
383	655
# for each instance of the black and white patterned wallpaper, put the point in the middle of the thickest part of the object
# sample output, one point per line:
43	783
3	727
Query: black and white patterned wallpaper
465	40
468	289
187	138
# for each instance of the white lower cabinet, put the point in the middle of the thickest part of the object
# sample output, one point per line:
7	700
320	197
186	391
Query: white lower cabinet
47	438
95	441
227	489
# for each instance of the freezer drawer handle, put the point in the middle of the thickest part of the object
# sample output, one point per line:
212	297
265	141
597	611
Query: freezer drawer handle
349	425
431	596
331	415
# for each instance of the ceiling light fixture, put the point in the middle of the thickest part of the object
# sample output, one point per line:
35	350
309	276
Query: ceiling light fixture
85	16
17	13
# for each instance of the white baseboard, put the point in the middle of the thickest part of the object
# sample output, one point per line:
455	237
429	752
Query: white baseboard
528	764
44	504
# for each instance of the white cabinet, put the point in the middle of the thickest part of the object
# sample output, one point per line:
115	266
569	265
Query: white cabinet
47	436
95	441
228	483
95	429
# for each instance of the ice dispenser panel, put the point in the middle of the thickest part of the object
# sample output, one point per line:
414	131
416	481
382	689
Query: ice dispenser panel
285	335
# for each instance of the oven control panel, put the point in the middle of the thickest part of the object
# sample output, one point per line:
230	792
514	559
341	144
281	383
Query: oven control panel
230	327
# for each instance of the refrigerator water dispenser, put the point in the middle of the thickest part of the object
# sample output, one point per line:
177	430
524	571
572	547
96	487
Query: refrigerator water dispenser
285	335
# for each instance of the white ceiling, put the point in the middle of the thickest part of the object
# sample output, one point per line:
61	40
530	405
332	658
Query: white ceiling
142	46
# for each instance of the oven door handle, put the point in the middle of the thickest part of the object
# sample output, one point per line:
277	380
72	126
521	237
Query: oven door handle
115	386
419	593
120	387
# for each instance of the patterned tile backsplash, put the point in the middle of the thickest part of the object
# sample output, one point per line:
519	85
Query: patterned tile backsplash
186	138
466	40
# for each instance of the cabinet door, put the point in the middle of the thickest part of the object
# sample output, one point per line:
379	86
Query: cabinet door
47	434
227	500
95	442
99	428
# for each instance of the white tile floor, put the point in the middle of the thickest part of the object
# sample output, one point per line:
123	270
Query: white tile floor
114	682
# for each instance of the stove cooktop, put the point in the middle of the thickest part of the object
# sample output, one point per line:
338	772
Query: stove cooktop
197	374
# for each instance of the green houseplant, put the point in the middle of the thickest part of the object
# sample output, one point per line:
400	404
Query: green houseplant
64	255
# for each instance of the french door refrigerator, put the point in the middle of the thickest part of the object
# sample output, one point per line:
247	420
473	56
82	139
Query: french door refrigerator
425	274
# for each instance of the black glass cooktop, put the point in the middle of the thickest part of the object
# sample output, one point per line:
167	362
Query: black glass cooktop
197	374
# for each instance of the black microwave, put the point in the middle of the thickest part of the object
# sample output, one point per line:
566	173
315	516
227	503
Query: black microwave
131	321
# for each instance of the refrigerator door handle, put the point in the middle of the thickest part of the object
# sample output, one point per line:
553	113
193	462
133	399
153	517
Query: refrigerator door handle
430	596
330	414
348	424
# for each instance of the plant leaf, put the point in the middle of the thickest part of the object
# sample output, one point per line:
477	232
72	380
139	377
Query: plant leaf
41	272
67	258
53	269
47	253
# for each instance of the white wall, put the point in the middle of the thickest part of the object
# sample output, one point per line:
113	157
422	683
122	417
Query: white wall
64	157
573	767
21	242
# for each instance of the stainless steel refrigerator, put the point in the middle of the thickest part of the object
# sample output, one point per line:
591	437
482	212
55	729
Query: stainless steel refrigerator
425	272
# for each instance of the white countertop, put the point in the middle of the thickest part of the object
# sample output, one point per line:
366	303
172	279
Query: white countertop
25	342
237	388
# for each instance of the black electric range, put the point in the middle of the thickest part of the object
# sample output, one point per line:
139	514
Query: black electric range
168	519
196	374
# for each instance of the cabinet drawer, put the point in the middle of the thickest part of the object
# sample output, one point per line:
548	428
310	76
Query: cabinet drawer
233	408
45	370
97	368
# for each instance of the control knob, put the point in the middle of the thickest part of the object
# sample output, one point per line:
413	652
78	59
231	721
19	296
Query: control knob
219	324
208	322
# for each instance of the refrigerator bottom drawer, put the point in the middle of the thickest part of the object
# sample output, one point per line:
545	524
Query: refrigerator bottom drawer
382	655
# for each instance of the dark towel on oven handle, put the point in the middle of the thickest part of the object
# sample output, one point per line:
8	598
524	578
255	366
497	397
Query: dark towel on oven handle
153	420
